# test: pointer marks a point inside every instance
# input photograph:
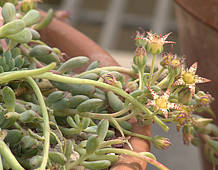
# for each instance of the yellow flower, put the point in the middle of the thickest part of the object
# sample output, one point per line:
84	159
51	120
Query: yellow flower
162	103
189	78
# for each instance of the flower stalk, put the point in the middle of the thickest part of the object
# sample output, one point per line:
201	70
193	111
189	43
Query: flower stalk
152	68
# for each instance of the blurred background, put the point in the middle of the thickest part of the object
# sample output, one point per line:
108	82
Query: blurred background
111	24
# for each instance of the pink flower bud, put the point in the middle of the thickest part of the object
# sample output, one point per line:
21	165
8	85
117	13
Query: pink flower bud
160	142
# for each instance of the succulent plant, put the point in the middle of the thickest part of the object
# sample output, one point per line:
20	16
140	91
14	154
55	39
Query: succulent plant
51	117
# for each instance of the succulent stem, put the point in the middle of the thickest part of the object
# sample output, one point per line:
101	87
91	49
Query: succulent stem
9	76
46	128
112	68
6	153
69	80
135	154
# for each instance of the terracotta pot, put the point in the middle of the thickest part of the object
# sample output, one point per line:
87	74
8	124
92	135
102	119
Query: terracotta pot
198	35
74	43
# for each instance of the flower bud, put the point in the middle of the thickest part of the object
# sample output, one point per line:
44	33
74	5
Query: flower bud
187	134
131	86
140	56
166	59
202	122
140	39
205	99
181	119
110	79
160	142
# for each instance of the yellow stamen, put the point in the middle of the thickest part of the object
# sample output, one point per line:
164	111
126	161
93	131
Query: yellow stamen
161	103
188	78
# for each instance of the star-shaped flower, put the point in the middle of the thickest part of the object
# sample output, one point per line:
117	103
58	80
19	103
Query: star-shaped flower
189	78
162	103
155	42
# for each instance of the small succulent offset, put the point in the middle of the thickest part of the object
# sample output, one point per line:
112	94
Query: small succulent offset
53	118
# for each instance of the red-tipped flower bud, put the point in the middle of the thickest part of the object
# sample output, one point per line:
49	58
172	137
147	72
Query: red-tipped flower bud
160	142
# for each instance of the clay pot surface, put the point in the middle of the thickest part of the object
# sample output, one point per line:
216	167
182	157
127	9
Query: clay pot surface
198	38
74	43
199	43
204	10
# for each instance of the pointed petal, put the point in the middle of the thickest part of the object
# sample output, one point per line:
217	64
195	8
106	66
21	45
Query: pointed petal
165	112
167	35
169	42
150	36
173	106
153	93
179	82
201	79
150	103
193	68
166	94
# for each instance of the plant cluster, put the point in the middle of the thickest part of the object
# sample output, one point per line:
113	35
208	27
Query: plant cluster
53	118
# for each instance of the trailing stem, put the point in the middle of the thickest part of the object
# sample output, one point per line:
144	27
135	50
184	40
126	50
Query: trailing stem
113	68
9	76
8	156
46	128
70	80
135	154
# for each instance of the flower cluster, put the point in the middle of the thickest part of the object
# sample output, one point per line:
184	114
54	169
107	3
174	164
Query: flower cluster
171	95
